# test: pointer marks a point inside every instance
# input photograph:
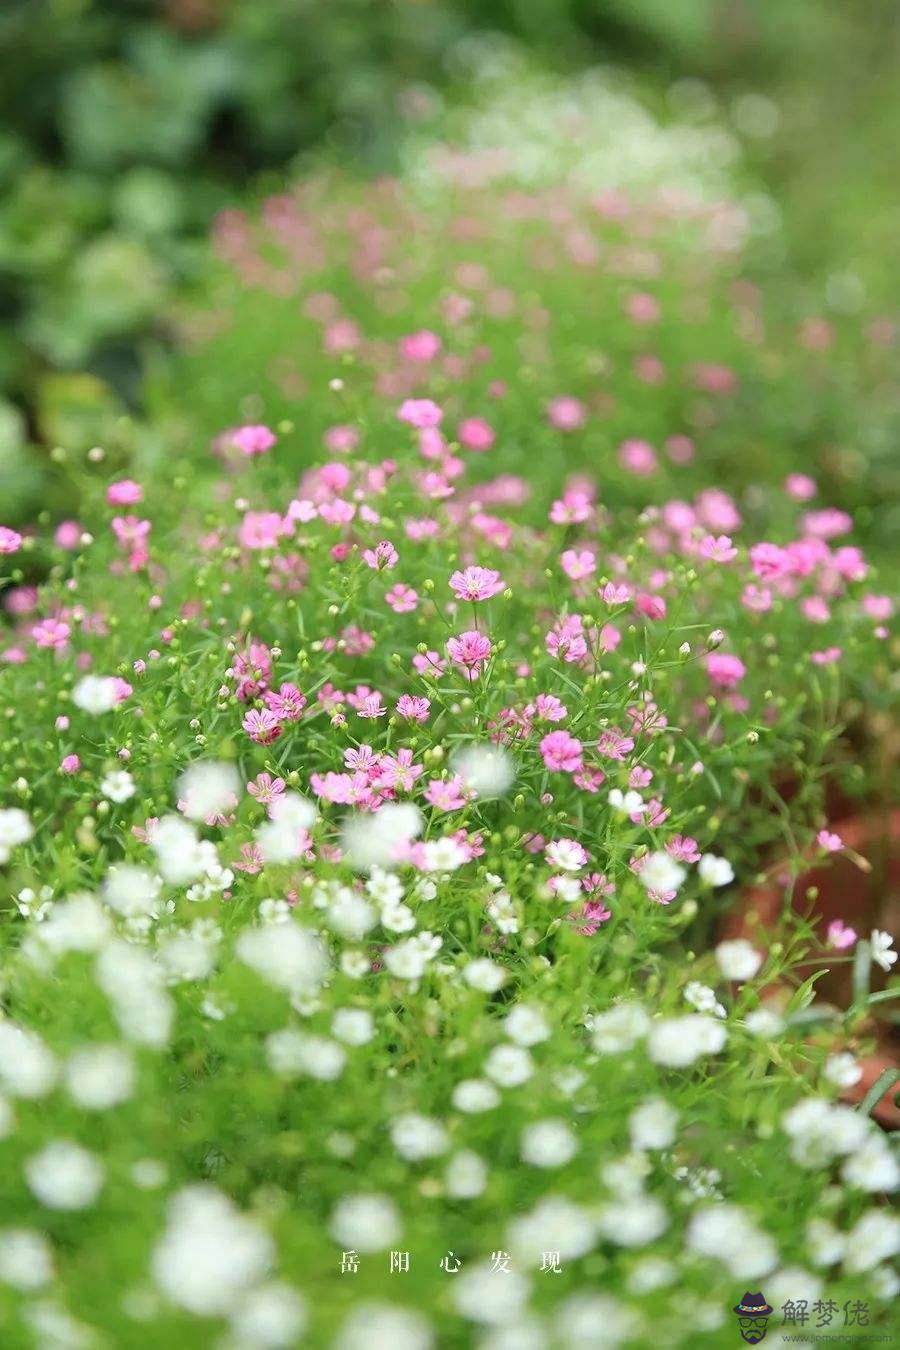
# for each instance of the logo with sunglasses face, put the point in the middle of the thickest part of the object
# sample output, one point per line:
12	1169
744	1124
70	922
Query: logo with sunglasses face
754	1313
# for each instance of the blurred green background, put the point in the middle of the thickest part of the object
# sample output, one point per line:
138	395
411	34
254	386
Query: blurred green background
125	125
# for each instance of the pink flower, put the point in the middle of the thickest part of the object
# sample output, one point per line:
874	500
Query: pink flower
67	534
642	308
416	709
399	771
10	540
547	708
370	706
724	670
70	764
612	594
420	347
840	937
252	860
266	789
476	583
800	487
611	744
253	440
287	704
566	641
476	434
638	457
717	549
402	599
566	854
831	843
578	563
572	508
51	633
420	413
828	523
471	649
683	849
125	492
262	726
879	607
445	795
561	752
382	557
566	413
828	657
589	918
341	439
261	529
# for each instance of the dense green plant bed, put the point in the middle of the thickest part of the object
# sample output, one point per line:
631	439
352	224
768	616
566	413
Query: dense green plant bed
372	776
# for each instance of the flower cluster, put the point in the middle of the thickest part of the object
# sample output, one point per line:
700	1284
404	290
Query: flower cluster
367	818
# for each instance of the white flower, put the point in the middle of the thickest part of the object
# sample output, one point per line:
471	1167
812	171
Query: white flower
466	1175
652	1124
844	1070
882	944
588	1321
826	1245
271	1317
487	770
484	975
627	803
555	1224
701	997
635	1221
210	1255
353	1026
443	855
131	890
134	984
99	1076
548	1143
726	1233
284	955
416	1137
95	694
178	852
118	785
15	828
482	1294
874	1237
738	959
410	959
872	1167
26	1259
208	788
765	1023
380	837
651	1273
715	871
566	854
509	1065
474	1095
382	1326
679	1041
619	1028
64	1175
27	1067
365	1223
291	1053
350	915
525	1024
661	873
821	1131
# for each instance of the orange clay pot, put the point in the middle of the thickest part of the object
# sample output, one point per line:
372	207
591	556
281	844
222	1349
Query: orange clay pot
862	890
